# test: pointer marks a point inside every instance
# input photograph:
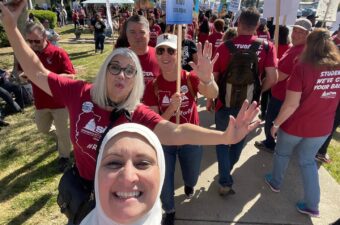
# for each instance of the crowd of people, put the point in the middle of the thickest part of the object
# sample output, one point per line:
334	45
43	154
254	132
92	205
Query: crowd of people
123	125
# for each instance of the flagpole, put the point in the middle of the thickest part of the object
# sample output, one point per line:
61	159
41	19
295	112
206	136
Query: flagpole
179	67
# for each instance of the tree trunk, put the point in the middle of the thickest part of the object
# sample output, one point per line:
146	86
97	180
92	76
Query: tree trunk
21	26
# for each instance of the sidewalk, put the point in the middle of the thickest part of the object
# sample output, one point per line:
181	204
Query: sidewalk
254	203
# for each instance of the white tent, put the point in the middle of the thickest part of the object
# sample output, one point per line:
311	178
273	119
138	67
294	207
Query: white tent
111	1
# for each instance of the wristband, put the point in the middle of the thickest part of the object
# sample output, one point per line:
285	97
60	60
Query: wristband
275	126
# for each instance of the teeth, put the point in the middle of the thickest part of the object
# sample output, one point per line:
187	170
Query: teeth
134	194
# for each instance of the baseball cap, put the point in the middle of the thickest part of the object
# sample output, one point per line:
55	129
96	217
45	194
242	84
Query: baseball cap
169	40
303	24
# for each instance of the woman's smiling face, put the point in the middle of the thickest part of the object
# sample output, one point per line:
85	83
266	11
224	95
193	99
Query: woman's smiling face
128	178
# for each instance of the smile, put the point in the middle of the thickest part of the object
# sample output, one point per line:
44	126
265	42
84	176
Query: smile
124	195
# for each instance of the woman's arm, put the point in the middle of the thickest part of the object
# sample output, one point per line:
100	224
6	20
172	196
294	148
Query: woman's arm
290	104
28	60
174	134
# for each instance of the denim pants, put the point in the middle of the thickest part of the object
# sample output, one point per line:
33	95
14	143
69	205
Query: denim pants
227	155
272	112
99	41
190	160
307	148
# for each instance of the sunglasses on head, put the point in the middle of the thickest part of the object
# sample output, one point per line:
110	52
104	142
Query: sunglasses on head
161	50
33	41
116	69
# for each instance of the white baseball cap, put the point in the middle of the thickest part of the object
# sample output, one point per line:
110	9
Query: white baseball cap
166	39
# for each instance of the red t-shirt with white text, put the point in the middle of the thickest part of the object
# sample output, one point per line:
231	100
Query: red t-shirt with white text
88	121
286	65
166	89
149	65
320	96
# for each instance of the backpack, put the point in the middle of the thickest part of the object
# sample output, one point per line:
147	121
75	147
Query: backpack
241	79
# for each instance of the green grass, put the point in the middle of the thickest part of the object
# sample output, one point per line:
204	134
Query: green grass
28	168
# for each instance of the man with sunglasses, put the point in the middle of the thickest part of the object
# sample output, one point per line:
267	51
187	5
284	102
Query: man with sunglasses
48	110
162	97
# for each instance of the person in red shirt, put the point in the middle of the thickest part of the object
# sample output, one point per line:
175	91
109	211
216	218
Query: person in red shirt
48	109
284	41
262	31
113	99
162	96
301	29
306	116
228	155
216	37
138	36
155	31
203	29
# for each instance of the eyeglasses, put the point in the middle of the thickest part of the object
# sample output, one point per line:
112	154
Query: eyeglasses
160	51
116	69
33	41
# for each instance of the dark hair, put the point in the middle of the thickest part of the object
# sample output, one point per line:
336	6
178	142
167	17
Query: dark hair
249	18
122	41
320	50
204	27
219	25
283	35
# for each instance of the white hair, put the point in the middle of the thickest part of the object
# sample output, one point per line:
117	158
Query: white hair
99	92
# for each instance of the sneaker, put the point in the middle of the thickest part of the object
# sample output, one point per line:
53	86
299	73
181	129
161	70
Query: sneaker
267	179
301	207
168	219
62	164
323	158
189	191
225	191
261	146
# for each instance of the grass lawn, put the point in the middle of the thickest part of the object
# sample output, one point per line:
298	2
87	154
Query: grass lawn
28	168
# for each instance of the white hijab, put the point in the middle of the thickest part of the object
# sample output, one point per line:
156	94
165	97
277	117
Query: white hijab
154	216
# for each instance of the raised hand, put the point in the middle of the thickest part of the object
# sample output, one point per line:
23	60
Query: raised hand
244	123
11	11
205	65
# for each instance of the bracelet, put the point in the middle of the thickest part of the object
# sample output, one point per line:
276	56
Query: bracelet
275	126
210	82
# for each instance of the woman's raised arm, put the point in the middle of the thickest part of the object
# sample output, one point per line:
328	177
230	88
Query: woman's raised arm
28	60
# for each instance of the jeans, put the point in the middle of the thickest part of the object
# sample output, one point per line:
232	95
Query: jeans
307	148
190	160
272	112
99	41
227	155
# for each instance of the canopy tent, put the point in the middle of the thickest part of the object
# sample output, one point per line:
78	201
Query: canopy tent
111	1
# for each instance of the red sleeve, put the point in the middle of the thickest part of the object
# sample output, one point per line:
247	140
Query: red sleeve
65	63
150	99
295	81
146	116
271	58
65	90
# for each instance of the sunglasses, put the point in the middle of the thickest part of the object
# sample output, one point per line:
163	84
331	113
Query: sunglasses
116	69
33	41
160	51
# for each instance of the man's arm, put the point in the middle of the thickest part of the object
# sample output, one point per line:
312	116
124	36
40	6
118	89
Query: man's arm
271	78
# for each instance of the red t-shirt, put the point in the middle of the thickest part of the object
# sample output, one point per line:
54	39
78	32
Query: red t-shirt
215	39
266	58
155	31
282	49
286	65
166	89
202	37
320	97
88	121
190	30
149	65
336	40
264	35
57	61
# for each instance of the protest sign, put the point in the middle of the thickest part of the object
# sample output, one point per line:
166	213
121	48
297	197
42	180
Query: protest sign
234	6
327	10
179	11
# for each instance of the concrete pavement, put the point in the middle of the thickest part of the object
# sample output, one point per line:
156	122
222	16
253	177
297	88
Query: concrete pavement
254	203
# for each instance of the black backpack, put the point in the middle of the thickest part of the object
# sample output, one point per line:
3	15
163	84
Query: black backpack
241	80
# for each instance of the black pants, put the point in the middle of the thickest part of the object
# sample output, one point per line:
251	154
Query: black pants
99	41
12	105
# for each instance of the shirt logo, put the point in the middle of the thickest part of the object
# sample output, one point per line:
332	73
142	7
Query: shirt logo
328	94
87	107
166	100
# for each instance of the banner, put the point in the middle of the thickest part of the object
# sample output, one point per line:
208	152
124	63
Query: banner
179	12
288	8
327	10
108	15
234	6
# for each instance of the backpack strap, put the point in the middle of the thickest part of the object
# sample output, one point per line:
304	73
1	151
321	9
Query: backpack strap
191	89
254	47
230	45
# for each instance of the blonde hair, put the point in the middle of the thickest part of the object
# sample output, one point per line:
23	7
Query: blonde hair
99	89
320	50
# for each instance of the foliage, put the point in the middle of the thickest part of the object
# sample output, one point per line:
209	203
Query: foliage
41	15
3	38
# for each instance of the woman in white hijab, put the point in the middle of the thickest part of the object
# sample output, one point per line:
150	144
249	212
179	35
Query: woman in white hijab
129	177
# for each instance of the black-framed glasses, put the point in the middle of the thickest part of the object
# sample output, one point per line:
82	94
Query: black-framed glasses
116	69
33	41
160	51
